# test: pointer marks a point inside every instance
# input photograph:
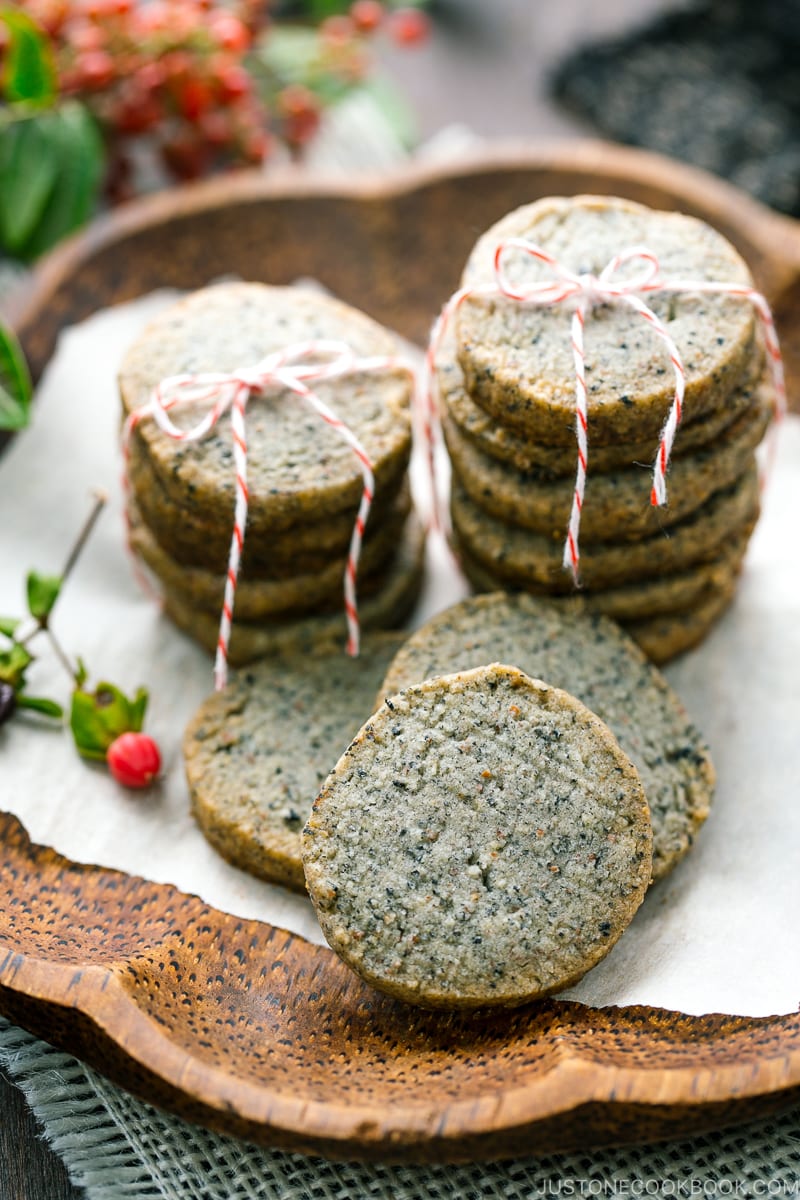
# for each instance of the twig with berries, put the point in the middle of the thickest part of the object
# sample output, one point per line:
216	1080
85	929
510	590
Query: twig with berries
106	725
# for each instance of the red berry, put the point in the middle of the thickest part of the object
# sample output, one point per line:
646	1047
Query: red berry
85	36
366	15
195	98
96	69
229	32
409	26
299	108
232	82
134	760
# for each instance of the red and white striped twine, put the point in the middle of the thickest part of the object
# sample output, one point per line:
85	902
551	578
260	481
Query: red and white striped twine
586	291
292	368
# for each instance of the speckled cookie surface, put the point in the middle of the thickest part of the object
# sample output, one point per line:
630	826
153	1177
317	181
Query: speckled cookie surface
677	592
593	659
319	590
525	558
667	635
508	445
385	609
257	752
483	840
196	538
297	465
517	358
616	504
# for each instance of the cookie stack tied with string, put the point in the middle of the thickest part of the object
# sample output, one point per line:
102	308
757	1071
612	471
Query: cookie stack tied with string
605	374
267	443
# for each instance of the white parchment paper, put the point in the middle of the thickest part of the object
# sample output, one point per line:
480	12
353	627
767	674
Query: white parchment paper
719	934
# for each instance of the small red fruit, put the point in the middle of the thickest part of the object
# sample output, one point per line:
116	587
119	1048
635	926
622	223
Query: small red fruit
366	15
134	760
229	32
408	26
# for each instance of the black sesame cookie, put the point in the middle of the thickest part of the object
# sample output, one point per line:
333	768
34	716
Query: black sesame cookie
524	558
256	599
299	468
536	458
257	752
483	841
199	539
665	595
386	608
617	503
592	658
667	635
517	358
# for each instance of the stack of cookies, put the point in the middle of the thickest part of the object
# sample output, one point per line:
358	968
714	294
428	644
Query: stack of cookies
507	389
304	482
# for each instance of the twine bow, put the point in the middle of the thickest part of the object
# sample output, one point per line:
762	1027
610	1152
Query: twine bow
292	368
585	291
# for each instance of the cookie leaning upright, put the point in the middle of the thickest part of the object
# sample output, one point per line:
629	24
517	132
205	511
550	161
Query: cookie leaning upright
257	752
590	657
288	448
483	841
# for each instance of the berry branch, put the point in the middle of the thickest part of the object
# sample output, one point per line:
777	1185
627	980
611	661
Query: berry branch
105	723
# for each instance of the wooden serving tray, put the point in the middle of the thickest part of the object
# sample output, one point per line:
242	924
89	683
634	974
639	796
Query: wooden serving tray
249	1029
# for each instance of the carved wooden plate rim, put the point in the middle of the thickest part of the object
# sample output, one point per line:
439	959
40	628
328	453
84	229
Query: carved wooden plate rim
582	1076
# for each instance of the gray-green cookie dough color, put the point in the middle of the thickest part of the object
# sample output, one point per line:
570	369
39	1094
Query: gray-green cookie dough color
616	504
257	599
257	752
299	468
517	357
590	657
529	454
522	557
385	608
483	841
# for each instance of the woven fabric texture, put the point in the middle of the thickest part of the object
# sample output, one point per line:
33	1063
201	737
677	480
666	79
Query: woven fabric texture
118	1148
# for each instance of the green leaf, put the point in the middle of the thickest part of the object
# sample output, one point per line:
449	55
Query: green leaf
14	662
77	150
9	625
98	718
29	166
15	383
81	673
42	594
48	708
138	707
28	71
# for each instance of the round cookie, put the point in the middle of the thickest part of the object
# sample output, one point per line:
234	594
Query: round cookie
617	504
517	358
665	595
195	538
483	841
320	590
385	609
589	656
299	468
257	752
536	458
524	558
664	637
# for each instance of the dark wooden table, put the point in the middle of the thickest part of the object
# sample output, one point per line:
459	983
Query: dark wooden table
485	67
